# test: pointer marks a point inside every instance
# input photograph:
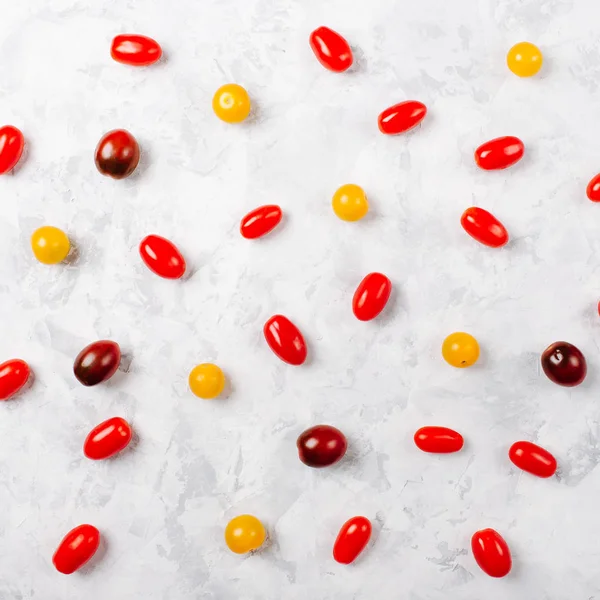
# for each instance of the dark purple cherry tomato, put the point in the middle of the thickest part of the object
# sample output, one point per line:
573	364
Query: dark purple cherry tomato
260	221
321	446
533	459
499	153
108	438
285	339
352	540
117	154
371	296
97	362
401	117
77	547
13	376
135	50
491	553
484	227
564	364
593	189
331	49
438	440
162	257
12	143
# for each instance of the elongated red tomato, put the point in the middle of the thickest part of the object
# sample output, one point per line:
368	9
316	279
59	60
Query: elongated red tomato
593	189
440	440
13	376
162	257
108	438
12	143
352	540
77	547
401	117
499	153
532	458
260	221
285	339
371	296
135	50
491	553
484	227
331	49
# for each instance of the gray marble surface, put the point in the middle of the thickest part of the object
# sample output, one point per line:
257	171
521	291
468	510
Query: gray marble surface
162	505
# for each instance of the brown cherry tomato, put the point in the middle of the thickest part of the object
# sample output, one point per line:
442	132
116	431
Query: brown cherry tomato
331	49
77	547
260	221
371	296
107	438
12	143
13	376
491	553
117	154
97	362
135	50
352	540
593	189
439	440
533	459
564	364
321	446
401	117
162	257
499	153
285	339
484	227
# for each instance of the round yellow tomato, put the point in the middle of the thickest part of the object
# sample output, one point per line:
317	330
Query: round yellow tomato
206	381
524	59
50	245
350	202
231	103
244	533
460	350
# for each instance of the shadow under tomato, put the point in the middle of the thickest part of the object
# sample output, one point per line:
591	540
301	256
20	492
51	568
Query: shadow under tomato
98	557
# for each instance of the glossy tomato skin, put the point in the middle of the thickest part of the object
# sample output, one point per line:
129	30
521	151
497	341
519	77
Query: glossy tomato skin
564	364
97	362
331	49
162	257
401	117
117	154
532	458
499	153
13	376
135	50
484	227
593	189
107	438
371	296
285	339
260	221
321	446
352	540
12	143
438	440
491	553
77	547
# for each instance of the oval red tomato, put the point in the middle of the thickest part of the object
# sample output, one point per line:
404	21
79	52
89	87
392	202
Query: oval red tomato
135	50
438	440
401	117
260	221
331	49
108	438
285	339
593	189
491	553
499	153
13	376
12	143
77	547
351	540
484	227
532	458
162	257
371	296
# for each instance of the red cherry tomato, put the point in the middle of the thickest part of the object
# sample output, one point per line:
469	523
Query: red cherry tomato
593	189
162	257
285	339
77	547
491	553
260	221
135	50
499	153
401	117
12	143
533	459
13	376
484	227
108	438
371	296
331	49
352	540
438	440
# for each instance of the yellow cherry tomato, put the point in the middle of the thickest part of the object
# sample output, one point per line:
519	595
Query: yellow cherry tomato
524	59
50	245
460	350
244	533
350	202
231	103
206	381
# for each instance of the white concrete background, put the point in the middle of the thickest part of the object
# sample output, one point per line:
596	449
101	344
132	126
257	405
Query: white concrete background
162	505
